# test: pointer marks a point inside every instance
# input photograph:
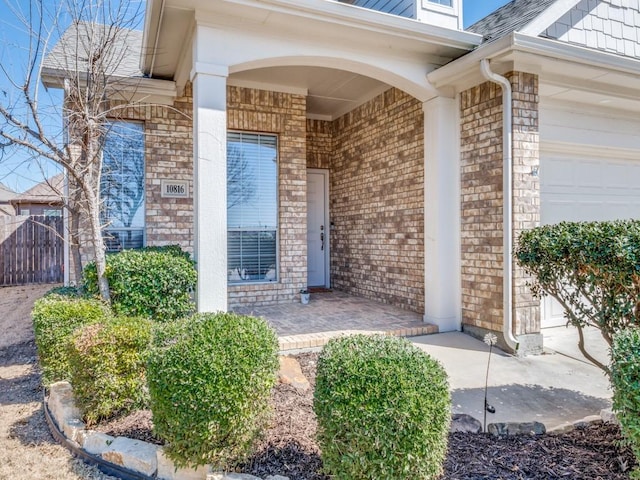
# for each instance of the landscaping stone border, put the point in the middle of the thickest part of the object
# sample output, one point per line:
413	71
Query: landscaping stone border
137	460
119	456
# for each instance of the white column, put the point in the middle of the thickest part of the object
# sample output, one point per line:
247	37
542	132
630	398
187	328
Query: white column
442	285
210	185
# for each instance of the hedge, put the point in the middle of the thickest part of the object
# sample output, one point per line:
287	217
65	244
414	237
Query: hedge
383	409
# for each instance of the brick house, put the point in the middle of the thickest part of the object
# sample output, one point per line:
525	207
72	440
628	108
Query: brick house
45	198
296	143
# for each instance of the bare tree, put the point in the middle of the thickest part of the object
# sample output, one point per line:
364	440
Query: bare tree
90	60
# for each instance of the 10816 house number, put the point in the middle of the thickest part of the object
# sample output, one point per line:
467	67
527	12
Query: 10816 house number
175	188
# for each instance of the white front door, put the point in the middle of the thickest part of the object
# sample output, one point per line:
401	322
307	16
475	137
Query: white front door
317	228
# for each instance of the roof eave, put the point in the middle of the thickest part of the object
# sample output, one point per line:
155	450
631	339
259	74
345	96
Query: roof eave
54	78
331	13
466	66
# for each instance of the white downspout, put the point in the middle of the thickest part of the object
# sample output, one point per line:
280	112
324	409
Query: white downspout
507	180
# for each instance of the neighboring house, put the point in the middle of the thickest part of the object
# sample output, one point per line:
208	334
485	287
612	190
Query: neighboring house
45	198
311	142
6	194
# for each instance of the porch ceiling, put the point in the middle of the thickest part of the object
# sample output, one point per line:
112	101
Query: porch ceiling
330	92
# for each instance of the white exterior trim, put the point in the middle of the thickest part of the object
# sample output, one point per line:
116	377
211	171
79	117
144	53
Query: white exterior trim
442	257
465	72
210	190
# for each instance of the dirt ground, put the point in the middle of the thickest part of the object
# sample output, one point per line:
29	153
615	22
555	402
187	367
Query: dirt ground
27	449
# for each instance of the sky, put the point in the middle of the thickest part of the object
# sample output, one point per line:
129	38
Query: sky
17	170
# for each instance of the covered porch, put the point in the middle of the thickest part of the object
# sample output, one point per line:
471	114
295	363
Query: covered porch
334	313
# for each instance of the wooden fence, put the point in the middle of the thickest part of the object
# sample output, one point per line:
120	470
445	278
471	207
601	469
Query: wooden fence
31	250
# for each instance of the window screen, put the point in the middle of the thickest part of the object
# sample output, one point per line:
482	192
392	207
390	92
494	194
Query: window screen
122	186
252	207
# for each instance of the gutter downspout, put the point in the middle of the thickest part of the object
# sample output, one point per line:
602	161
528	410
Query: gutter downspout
507	180
156	40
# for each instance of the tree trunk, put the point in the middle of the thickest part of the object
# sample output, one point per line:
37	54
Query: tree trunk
74	236
93	208
91	190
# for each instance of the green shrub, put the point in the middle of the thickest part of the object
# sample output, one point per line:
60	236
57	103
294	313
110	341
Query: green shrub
155	282
591	268
65	291
108	364
383	409
625	379
55	317
210	385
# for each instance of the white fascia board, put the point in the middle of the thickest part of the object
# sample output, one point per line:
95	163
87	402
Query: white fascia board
364	19
543	49
149	32
547	18
469	64
54	78
558	50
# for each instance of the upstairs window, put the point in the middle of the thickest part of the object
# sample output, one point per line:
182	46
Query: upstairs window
446	3
122	186
252	207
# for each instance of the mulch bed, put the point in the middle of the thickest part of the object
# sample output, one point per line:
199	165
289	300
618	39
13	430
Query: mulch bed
289	448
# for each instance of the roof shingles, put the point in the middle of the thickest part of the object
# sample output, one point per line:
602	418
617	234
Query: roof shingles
511	17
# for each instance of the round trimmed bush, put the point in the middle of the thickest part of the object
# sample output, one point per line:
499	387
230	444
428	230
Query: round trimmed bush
383	408
155	282
625	379
108	363
55	317
210	381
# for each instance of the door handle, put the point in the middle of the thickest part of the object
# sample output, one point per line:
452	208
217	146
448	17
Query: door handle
321	237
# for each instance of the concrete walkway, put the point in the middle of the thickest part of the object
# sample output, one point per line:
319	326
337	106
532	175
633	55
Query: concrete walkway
559	386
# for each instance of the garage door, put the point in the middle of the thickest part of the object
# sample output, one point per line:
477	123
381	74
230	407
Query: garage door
585	186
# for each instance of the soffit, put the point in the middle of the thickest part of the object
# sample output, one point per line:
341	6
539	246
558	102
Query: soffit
330	92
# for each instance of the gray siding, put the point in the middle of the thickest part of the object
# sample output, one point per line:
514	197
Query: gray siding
403	8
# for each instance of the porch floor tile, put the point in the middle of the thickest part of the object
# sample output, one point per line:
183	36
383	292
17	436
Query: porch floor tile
333	313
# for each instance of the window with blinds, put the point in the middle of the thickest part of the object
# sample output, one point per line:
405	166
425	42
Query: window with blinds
252	207
122	187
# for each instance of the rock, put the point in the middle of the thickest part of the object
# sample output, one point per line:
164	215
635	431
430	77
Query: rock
586	421
133	454
61	404
291	374
515	428
96	443
608	416
73	429
463	423
276	477
167	470
231	476
565	427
